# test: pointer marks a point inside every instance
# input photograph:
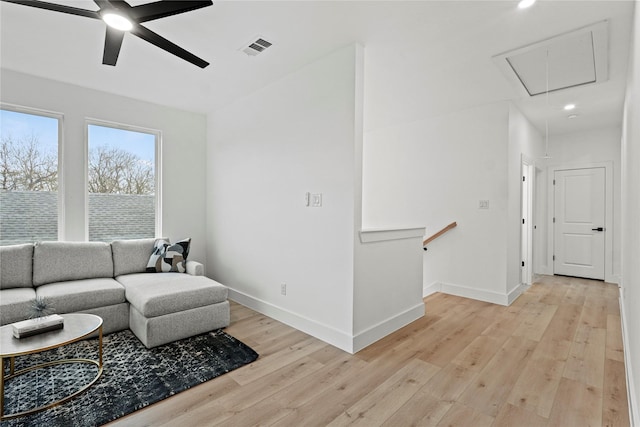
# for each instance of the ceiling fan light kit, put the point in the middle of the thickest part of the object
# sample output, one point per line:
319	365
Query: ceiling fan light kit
524	4
117	21
121	17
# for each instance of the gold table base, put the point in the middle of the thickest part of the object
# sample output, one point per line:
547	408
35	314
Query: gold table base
13	374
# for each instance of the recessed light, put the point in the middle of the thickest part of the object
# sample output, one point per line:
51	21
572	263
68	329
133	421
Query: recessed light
569	107
525	4
572	116
118	22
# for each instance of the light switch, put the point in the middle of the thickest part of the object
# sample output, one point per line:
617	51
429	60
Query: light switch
316	200
484	204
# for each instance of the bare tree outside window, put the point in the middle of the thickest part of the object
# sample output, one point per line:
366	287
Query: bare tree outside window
116	171
26	166
121	180
121	183
28	177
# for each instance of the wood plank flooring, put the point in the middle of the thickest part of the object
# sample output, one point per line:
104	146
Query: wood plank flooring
553	358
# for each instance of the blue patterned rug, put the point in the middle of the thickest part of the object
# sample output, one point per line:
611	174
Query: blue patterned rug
134	377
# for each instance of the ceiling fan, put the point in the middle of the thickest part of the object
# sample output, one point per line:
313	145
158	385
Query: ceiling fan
122	18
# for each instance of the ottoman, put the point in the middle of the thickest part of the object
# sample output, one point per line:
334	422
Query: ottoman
166	307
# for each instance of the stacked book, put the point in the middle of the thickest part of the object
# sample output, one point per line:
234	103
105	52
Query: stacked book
39	325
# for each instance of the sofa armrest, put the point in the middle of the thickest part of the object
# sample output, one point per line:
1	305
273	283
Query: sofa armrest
195	268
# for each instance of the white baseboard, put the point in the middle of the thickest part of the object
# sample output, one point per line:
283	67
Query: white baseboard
384	328
318	330
516	292
614	278
632	393
328	334
477	294
431	289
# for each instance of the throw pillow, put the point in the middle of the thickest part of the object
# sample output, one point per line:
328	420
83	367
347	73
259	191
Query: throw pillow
167	257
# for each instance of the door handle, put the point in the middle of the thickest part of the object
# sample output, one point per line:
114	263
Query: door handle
598	229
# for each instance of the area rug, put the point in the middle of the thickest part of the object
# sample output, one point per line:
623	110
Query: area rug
134	377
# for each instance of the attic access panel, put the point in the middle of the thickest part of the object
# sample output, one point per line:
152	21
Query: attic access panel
576	58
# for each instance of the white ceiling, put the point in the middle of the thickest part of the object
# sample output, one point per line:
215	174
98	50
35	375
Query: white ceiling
434	56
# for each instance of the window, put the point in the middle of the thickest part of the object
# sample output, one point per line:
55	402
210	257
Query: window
122	183
28	175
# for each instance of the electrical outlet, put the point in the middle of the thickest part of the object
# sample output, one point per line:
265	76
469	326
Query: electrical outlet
283	289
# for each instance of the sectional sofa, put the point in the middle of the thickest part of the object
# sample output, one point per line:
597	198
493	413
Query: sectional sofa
111	280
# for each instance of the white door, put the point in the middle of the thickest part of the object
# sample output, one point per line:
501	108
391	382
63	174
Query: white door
579	222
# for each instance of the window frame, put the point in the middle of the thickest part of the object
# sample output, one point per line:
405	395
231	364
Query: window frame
61	184
157	167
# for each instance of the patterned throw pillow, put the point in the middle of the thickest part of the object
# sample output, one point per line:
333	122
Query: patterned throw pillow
168	257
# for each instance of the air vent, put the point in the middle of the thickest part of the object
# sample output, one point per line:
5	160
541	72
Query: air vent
255	47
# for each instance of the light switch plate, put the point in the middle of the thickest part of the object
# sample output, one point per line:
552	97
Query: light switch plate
484	204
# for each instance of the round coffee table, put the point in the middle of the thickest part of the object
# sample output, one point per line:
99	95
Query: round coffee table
77	326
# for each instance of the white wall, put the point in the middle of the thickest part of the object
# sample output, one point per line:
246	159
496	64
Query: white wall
585	149
630	281
434	171
525	143
388	283
183	150
304	134
265	152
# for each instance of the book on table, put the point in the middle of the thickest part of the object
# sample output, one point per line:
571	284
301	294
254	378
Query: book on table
39	325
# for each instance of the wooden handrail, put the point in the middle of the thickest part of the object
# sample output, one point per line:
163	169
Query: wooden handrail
439	233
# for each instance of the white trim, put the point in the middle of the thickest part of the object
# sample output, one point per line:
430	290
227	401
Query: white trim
85	175
609	226
60	118
326	333
431	289
516	292
157	167
158	182
473	293
527	164
383	234
387	326
61	181
632	394
477	294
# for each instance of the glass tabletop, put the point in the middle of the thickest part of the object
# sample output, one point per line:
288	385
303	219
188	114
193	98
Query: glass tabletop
76	326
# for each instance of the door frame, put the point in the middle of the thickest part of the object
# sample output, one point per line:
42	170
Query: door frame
608	188
527	167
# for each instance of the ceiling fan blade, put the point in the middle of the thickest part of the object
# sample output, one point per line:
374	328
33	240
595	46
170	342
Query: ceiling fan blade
112	4
112	44
57	8
162	43
162	9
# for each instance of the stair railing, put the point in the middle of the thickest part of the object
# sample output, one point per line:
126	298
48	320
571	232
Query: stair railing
438	234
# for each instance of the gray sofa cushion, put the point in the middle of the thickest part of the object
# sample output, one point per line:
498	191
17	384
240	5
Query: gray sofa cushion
131	256
159	294
78	295
16	266
16	304
60	261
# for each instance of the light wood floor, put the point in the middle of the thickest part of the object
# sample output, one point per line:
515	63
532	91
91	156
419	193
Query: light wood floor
553	358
